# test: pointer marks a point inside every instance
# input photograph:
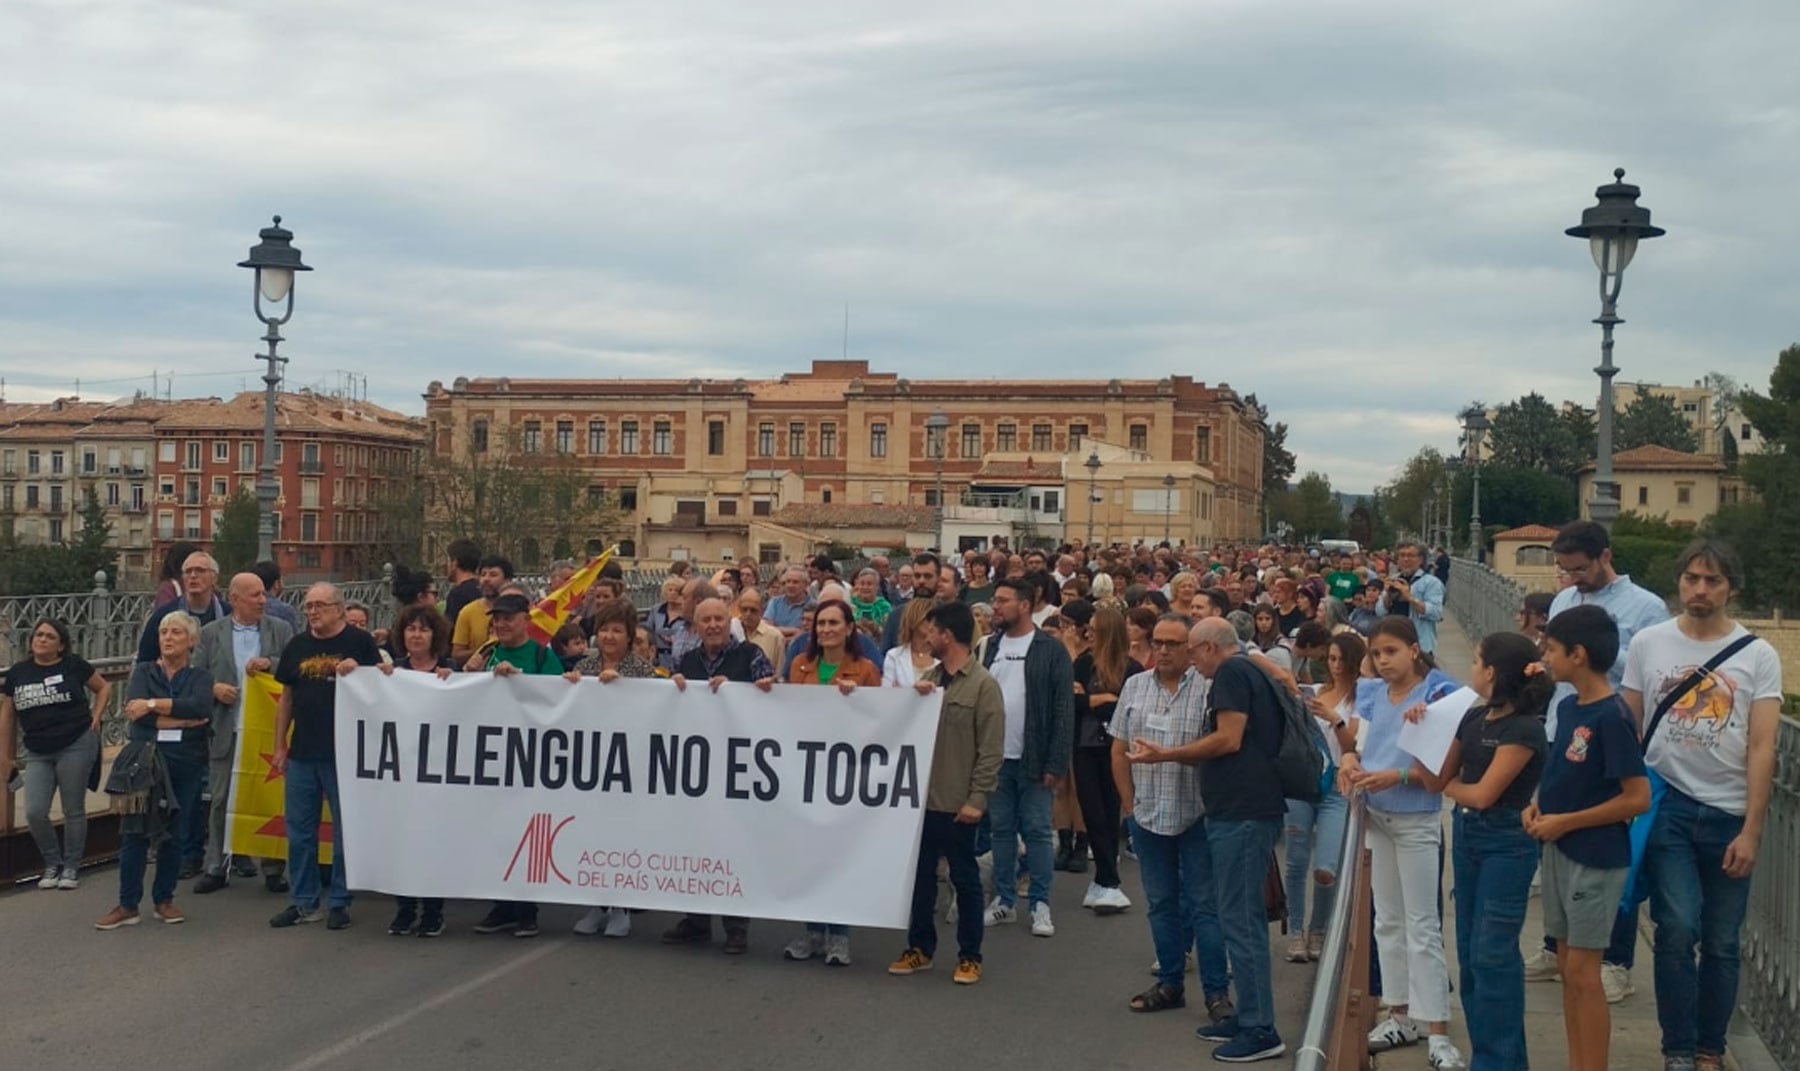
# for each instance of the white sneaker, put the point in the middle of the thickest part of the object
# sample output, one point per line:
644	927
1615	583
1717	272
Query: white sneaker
1540	966
50	878
837	950
1111	901
805	946
999	914
1444	1056
950	912
618	922
1041	926
1393	1033
589	924
68	879
1092	894
1615	981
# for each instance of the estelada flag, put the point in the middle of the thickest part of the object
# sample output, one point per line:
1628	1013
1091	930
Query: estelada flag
554	609
256	813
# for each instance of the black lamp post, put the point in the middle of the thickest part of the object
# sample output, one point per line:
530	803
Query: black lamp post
1613	228
1168	504
936	425
1475	425
1092	464
275	260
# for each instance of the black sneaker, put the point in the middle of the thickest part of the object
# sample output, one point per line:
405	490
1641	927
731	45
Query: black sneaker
496	920
275	883
293	916
402	924
339	919
243	868
209	883
526	927
433	926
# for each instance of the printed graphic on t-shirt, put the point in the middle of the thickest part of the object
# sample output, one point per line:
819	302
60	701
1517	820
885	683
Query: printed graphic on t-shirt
1697	718
1578	744
48	693
319	667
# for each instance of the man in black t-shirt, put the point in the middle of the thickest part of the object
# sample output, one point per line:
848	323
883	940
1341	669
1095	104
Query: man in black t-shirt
308	673
465	560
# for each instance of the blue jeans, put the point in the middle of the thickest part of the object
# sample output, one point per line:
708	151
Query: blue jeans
1693	903
308	784
1240	858
1177	873
1315	842
1493	859
1020	807
187	775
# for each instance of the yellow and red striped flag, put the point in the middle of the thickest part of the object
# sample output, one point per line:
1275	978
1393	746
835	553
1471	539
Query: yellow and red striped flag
553	609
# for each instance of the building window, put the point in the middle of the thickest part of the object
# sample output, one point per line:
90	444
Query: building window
6	498
193	456
309	527
596	436
1040	437
627	502
165	452
31	496
1203	445
596	495
825	495
165	524
90	462
166	487
534	436
221	450
877	496
1744	433
309	494
796	439
727	507
761	507
878	440
565	436
478	436
931	497
246	456
1643	495
1684	494
828	440
1052	501
628	437
56	462
1077	432
765	440
662	438
309	559
1006	438
192	497
137	496
715	437
56	530
56	498
112	494
1140	437
971	440
219	487
768	553
34	463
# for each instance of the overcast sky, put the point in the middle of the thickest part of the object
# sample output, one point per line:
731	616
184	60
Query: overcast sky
1353	210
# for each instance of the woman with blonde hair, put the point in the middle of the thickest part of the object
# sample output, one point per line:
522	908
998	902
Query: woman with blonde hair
912	655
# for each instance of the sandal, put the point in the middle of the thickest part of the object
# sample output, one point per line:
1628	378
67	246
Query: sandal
1159	997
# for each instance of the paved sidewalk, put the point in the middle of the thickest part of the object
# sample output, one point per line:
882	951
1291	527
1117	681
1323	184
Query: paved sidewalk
1637	1037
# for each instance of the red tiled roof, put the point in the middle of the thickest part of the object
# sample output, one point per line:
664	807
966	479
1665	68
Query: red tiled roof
1662	458
1534	533
849	515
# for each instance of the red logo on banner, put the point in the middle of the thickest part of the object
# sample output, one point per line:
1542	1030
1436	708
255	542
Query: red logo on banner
538	846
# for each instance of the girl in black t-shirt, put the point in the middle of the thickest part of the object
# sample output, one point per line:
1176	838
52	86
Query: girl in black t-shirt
1490	774
44	696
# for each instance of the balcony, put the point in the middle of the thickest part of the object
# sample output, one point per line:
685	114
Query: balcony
312	468
136	470
135	507
694	522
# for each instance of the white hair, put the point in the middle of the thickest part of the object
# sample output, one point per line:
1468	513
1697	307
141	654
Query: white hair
184	621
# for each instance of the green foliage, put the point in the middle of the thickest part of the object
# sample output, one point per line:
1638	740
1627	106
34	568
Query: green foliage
1762	531
1310	509
1530	433
1361	522
1402	502
1278	460
1512	496
234	543
1646	548
1653	420
37	569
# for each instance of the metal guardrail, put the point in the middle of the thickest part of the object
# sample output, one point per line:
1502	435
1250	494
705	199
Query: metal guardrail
1481	600
1342	1011
1769	979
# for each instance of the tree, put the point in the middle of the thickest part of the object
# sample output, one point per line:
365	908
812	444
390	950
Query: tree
1361	522
1653	420
1278	460
1762	531
37	569
1725	391
92	551
1512	496
1530	433
1421	479
235	541
508	500
1312	509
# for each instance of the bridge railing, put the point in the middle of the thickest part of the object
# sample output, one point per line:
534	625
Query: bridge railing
1343	1010
1481	600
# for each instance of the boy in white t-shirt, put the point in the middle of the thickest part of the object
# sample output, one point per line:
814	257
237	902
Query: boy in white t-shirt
1715	746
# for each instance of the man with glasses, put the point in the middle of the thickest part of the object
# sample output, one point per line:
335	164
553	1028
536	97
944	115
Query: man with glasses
199	596
1417	594
472	628
308	673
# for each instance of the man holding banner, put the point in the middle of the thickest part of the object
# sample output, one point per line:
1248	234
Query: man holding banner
308	673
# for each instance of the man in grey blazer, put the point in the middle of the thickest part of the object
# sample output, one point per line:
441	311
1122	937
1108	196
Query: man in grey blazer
248	640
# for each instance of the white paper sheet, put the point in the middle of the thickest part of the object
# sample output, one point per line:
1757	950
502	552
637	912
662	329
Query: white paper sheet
1429	738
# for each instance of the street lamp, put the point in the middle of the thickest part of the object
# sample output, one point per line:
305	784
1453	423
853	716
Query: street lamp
275	260
1475	425
1092	464
1168	504
936	425
1613	228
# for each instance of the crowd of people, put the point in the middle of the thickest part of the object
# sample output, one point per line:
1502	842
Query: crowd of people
1096	702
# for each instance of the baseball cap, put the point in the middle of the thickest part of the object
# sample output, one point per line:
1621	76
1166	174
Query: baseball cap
511	603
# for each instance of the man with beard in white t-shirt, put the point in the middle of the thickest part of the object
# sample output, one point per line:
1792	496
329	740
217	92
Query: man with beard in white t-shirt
1715	746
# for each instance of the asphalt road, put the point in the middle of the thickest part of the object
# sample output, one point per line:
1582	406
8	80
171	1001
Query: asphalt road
225	991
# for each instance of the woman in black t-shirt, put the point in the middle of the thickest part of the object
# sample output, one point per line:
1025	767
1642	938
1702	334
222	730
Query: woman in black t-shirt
43	695
1099	672
423	637
1490	774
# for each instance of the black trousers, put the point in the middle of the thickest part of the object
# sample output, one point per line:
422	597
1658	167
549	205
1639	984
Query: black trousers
1098	795
944	837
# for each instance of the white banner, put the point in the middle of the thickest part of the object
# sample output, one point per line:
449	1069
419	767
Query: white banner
801	803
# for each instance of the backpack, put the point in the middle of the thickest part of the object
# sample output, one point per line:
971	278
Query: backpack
1299	759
